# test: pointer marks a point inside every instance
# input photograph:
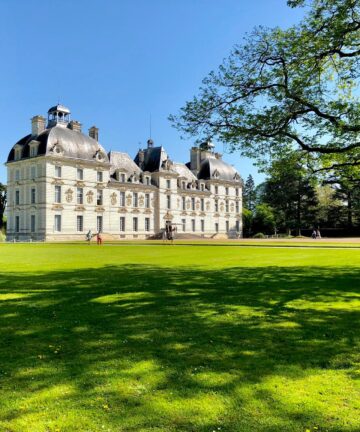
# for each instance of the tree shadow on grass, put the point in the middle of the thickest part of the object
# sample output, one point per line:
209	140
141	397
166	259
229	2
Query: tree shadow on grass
139	347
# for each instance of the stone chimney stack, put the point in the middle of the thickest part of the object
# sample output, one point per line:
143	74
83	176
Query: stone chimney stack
37	124
195	160
75	126
94	133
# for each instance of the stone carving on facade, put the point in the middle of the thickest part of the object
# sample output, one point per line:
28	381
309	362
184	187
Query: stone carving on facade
113	199
69	195
222	207
168	216
90	197
178	203
188	204
128	200
197	205
141	200
232	207
207	205
99	209
80	208
122	210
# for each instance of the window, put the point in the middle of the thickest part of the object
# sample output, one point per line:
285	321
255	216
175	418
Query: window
32	224
57	223
183	185
80	174
99	224
216	205
147	224
17	224
17	175
168	202
80	195
216	190
202	223
99	176
57	171
33	171
227	206
135	199
227	191
202	186
122	199
147	200
17	197
202	203
227	226
80	223
216	227
192	203
237	226
33	151
17	154
168	184
193	224
147	181
99	197
183	223
237	206
135	224
122	223
58	194
122	178
33	196
237	191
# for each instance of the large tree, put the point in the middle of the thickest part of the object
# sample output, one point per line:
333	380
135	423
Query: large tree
2	203
288	89
249	193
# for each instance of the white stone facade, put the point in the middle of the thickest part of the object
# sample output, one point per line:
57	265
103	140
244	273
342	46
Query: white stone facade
60	190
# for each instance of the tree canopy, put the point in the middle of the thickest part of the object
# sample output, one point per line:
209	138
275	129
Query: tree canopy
2	203
288	89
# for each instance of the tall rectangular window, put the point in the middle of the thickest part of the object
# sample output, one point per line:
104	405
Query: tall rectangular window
237	206
202	187
33	151
183	223
17	197
122	199
33	171
99	224
57	223
99	176
237	191
216	190
216	205
202	203
32	224
183	203
80	223
193	224
80	174
237	226
216	227
58	194
33	196
147	224
227	206
192	203
202	223
135	224
17	224
80	195
183	185
168	184
57	171
147	180
122	178
99	197
122	223
17	175
227	191
147	200
135	199
227	226
168	202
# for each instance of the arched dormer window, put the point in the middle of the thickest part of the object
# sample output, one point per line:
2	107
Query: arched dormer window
34	145
57	149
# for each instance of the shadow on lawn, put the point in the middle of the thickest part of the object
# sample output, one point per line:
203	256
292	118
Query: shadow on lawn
176	347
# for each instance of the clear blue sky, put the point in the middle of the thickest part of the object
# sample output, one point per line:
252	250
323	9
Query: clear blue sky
113	62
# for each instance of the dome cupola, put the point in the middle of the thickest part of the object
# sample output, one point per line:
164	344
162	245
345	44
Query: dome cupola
58	115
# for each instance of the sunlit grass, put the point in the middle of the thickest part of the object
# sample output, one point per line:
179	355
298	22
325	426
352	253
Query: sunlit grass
186	337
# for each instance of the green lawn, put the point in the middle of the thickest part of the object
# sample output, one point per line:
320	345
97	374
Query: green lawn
179	338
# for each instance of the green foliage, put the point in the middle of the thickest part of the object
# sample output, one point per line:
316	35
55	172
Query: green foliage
2	203
2	237
247	218
288	89
259	235
249	193
178	338
264	219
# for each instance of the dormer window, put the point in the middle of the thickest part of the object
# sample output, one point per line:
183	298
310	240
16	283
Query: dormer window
122	177
34	145
216	174
99	155
17	154
57	150
99	176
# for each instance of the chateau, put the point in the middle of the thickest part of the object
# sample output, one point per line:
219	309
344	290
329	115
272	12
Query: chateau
62	183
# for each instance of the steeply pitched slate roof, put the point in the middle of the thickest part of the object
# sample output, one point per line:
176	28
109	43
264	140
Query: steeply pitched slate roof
183	171
212	165
153	159
122	161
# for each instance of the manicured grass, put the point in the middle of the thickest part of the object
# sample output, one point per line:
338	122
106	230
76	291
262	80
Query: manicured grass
179	338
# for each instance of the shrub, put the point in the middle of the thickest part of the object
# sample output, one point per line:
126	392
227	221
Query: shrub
2	237
259	235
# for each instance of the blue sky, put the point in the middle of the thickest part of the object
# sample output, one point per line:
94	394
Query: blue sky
113	62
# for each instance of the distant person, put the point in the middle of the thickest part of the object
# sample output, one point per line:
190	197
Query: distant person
99	238
313	235
318	235
89	236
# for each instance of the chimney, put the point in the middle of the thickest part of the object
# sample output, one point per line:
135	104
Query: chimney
37	125
75	126
141	156
195	160
94	133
